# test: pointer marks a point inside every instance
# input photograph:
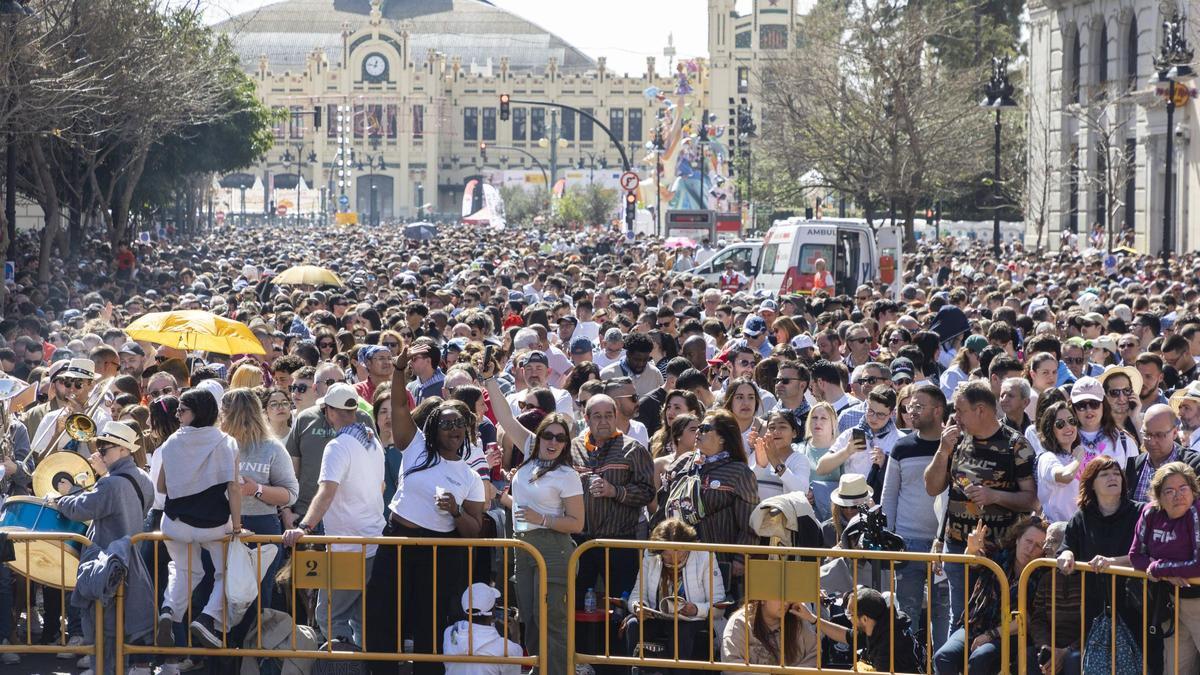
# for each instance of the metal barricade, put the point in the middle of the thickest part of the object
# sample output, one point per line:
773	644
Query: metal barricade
331	571
772	573
1080	576
45	550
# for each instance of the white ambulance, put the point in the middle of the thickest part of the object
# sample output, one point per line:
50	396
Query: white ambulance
852	251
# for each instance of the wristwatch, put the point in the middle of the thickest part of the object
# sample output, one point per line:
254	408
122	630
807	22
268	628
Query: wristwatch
780	468
306	529
258	493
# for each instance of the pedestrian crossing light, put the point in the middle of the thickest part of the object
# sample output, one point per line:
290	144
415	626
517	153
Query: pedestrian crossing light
483	151
630	208
504	107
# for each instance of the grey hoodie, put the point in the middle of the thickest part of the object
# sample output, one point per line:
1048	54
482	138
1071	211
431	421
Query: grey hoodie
113	505
267	463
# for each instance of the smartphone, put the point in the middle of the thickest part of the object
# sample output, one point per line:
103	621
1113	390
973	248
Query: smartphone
859	436
487	355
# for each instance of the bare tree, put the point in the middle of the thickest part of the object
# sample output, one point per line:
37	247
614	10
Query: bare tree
1106	122
872	108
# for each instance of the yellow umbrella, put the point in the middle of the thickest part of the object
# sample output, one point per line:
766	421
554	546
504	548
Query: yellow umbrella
309	275
195	330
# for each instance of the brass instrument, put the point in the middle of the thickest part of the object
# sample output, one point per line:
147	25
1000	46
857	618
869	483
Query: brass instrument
80	426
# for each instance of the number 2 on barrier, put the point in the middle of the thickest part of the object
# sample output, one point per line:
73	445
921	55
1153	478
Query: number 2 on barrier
312	570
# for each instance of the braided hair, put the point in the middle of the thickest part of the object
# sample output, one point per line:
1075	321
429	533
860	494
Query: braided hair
430	428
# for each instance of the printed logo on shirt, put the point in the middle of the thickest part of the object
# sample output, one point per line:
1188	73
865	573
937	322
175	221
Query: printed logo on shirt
255	467
1163	536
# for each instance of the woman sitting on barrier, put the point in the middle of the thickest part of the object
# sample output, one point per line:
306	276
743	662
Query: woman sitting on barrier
547	508
1024	544
672	584
1165	546
437	496
1099	536
203	506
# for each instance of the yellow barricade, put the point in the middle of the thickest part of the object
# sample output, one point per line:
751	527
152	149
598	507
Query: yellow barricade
328	570
772	573
55	563
1140	590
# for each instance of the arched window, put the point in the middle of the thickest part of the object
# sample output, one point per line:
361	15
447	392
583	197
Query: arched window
1131	53
1074	69
1102	54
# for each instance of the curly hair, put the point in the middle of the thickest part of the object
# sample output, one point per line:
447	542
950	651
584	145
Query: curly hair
1166	471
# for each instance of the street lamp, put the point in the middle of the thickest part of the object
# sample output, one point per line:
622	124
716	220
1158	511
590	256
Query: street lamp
593	160
998	95
747	131
1172	64
300	161
658	146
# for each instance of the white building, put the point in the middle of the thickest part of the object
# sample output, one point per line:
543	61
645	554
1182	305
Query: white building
1091	77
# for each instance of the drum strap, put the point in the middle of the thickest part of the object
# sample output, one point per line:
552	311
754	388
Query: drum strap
136	487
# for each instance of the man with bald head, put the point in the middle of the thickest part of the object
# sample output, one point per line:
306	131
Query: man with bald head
1159	433
618	480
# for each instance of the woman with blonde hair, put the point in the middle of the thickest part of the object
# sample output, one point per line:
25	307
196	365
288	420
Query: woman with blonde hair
266	476
820	430
246	376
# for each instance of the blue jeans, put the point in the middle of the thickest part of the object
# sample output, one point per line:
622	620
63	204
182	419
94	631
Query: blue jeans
911	581
956	575
949	659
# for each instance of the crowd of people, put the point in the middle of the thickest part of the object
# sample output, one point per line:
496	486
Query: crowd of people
558	387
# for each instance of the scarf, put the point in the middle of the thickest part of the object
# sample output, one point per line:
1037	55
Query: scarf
871	433
360	433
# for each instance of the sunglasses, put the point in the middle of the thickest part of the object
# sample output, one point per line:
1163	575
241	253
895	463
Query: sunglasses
857	339
332	381
390	345
325	344
72	383
1062	424
895	339
182	409
704	428
525	405
1086	405
551	436
298	388
1120	393
788	380
279	405
457	423
103	448
1075	360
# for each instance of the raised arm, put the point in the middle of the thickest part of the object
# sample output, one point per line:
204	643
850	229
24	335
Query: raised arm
404	429
514	431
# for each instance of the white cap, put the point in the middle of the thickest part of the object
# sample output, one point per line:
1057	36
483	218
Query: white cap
803	341
341	396
479	599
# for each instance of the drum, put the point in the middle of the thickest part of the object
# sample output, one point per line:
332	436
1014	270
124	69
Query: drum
52	563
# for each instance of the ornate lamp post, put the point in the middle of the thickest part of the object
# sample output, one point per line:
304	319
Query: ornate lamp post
1172	64
998	95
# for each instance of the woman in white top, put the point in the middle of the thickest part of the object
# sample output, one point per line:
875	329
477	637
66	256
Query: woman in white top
1098	433
672	585
1042	373
743	400
438	495
547	505
776	463
1058	465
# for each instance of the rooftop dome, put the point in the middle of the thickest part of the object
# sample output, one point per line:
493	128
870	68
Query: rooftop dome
473	30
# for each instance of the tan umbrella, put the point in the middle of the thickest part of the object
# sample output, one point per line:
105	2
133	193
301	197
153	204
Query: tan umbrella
308	275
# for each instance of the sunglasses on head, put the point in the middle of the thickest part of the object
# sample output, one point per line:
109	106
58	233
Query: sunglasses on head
1062	424
298	388
1086	405
551	436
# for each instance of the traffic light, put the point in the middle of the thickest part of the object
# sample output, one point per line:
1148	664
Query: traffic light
630	208
317	117
504	107
483	151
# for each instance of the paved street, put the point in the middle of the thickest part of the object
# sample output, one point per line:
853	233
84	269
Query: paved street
41	664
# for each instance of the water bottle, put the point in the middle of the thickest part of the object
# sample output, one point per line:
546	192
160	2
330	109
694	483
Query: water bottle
589	601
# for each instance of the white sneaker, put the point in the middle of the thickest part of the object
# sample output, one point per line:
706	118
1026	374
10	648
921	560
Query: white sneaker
188	665
88	672
75	641
9	658
139	670
84	661
167	669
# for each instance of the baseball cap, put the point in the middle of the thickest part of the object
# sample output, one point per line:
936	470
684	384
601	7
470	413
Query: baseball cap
581	345
535	357
571	318
803	341
341	396
976	344
132	347
768	305
754	326
479	599
1087	389
902	368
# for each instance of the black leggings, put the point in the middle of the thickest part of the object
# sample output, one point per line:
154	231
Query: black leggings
416	609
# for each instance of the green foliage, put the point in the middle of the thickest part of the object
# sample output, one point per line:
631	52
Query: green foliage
589	205
521	206
978	30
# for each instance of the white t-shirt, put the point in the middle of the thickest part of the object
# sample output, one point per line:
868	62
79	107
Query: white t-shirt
416	494
796	471
602	360
860	462
1058	499
544	495
637	431
563	402
357	508
160	498
587	329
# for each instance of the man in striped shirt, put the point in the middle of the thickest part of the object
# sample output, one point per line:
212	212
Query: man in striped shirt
618	477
